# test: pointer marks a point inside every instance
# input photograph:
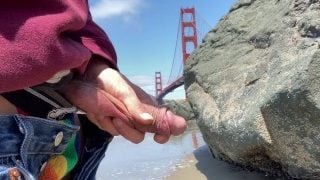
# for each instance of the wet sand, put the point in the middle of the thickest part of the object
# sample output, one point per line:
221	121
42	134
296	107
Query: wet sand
201	166
183	158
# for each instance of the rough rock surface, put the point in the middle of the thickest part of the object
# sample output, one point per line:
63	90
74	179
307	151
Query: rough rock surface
254	86
180	107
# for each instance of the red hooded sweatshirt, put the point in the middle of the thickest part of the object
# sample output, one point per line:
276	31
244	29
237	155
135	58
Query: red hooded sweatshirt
39	38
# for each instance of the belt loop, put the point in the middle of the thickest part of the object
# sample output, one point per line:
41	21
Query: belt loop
27	130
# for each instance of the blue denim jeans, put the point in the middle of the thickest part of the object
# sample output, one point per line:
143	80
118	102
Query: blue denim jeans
26	143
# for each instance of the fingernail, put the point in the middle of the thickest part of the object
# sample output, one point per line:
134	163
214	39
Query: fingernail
146	116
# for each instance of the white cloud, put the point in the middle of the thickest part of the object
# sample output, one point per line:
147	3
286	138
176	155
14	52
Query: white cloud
142	80
104	9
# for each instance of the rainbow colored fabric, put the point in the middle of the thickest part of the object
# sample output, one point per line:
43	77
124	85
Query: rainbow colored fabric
60	165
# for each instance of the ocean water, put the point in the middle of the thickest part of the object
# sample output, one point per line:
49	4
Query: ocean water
147	160
186	155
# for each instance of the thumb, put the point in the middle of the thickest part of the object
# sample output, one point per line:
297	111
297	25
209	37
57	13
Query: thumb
138	111
132	108
123	96
163	120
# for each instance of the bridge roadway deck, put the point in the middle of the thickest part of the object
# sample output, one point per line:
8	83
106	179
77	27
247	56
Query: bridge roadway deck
170	88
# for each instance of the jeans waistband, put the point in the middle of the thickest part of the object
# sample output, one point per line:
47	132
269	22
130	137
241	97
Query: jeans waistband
25	135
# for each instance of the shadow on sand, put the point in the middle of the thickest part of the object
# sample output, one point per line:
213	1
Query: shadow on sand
218	170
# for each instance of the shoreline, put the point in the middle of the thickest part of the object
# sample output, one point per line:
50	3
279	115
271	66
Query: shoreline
184	157
201	165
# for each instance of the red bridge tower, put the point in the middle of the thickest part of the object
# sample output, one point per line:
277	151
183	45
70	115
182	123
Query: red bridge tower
189	43
188	39
158	83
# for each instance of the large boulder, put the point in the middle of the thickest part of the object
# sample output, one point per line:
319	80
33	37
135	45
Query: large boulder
254	86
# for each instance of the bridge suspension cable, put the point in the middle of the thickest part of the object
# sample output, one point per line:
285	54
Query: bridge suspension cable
174	54
177	65
187	26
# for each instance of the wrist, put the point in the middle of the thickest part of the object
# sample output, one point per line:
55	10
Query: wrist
94	69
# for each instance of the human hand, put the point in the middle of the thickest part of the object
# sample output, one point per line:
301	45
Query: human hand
100	110
129	115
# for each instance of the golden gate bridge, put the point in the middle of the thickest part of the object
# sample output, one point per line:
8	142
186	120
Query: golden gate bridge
188	31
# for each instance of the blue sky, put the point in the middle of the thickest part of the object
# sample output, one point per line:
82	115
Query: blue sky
144	33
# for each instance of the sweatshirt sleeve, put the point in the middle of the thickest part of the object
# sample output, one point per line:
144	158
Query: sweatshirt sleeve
39	38
97	41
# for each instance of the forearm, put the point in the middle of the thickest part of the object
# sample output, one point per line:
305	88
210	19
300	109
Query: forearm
34	43
97	41
46	37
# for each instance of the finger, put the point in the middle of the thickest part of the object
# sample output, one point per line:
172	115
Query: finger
93	119
161	139
106	124
166	122
91	99
137	111
160	125
139	106
124	94
164	118
127	131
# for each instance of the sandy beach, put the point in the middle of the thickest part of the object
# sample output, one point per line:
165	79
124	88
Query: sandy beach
185	157
201	166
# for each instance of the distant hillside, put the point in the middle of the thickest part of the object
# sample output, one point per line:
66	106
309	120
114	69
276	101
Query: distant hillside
180	107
